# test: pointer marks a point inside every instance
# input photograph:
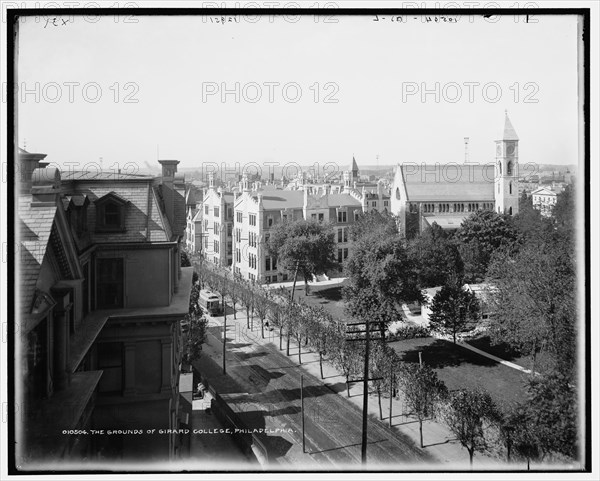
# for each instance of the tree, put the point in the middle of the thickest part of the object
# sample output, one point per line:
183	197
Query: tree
262	307
552	407
480	235
380	276
371	221
185	260
196	325
467	414
437	258
534	302
452	310
518	430
302	247
422	391
193	337
235	294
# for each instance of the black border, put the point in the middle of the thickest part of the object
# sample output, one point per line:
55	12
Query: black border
12	32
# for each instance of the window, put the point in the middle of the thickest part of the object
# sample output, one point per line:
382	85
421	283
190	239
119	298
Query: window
345	235
268	279
509	168
216	212
340	235
345	253
206	242
284	277
238	235
216	228
229	229
252	219
268	264
313	216
216	246
238	255
321	217
239	217
205	210
339	253
284	217
510	188
205	225
386	203
110	283
269	221
342	216
374	203
110	361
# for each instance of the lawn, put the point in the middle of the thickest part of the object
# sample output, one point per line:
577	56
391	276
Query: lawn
456	366
328	297
459	368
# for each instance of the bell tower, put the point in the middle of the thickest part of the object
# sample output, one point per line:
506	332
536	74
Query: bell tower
506	184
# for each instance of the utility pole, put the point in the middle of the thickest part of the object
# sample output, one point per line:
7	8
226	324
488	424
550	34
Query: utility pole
302	410
363	451
367	340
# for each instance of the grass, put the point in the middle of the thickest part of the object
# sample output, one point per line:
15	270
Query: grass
459	367
328	297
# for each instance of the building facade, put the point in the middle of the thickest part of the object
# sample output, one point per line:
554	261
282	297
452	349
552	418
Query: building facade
101	293
544	200
448	193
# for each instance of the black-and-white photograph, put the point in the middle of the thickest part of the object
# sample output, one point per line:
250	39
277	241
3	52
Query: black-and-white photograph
299	237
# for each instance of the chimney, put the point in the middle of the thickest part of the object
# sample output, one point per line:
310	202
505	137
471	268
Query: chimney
26	164
45	186
169	168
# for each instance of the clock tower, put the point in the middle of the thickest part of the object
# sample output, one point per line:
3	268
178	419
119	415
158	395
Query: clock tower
506	183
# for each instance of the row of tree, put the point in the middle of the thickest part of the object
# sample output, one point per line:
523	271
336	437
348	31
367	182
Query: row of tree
524	431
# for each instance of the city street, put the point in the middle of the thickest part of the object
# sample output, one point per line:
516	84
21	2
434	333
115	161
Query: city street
263	387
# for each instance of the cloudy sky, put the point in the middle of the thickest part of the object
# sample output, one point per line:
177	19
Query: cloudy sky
296	90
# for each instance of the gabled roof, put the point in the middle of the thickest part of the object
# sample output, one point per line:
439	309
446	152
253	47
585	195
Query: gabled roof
112	195
543	191
448	183
35	229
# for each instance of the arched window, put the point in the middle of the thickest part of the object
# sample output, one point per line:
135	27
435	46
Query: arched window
500	167
510	188
510	210
509	168
398	193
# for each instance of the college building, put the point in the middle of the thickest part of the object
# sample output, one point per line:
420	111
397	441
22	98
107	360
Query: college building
448	193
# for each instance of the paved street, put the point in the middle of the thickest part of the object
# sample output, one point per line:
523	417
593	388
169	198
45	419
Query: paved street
264	387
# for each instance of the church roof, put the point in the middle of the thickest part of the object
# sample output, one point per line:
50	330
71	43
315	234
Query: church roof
449	182
509	131
354	165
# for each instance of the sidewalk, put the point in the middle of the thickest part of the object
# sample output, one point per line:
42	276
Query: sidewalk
263	384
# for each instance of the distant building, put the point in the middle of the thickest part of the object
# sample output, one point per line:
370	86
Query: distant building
257	211
100	296
447	194
544	200
217	228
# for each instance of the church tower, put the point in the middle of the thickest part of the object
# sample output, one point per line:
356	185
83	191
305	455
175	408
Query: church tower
354	170
507	171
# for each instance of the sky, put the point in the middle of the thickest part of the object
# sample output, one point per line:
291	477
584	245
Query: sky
278	90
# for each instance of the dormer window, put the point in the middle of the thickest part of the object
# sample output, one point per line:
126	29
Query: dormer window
110	213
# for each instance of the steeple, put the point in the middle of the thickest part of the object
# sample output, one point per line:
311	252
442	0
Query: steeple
509	131
354	169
